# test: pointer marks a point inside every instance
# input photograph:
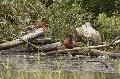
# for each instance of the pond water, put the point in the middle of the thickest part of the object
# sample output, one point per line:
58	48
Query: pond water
85	66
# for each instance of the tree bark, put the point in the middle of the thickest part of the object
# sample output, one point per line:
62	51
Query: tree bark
42	41
50	47
20	41
44	48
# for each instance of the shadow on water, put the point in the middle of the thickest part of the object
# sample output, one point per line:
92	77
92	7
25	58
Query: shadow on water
64	65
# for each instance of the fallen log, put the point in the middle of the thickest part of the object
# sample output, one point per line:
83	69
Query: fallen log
42	41
58	45
55	48
50	47
17	51
18	41
95	52
44	48
90	52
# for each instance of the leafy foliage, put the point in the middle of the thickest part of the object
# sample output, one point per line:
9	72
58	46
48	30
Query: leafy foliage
109	26
63	16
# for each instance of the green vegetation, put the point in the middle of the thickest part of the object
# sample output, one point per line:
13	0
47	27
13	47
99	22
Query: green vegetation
63	16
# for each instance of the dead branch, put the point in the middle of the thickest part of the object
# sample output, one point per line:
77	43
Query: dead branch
114	42
91	52
18	41
42	41
50	47
44	48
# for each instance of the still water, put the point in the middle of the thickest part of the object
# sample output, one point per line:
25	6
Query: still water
67	64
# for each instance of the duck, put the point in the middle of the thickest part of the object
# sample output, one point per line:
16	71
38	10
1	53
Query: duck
69	42
42	26
87	32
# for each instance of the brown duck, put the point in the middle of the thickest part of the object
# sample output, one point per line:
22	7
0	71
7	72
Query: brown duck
69	42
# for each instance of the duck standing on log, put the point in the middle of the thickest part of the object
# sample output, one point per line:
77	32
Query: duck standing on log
42	25
69	42
87	32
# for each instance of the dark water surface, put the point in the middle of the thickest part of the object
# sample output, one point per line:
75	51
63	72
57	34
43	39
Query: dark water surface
89	70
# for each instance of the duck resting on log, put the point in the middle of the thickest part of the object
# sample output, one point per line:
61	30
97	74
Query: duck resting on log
70	42
42	25
87	32
31	33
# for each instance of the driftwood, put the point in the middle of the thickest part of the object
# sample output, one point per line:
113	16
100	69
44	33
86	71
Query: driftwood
55	48
18	41
44	48
90	52
50	47
42	41
87	32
